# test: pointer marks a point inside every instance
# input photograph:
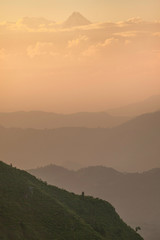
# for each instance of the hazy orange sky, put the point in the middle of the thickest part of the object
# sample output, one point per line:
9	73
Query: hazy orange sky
46	65
95	10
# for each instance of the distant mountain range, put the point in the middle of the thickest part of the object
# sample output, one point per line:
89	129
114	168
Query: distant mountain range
151	104
132	146
136	196
109	119
41	120
30	209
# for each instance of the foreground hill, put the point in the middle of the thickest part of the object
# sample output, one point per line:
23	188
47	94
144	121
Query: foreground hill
123	190
151	104
41	120
133	146
29	209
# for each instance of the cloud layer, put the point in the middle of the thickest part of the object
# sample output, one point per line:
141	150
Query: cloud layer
91	63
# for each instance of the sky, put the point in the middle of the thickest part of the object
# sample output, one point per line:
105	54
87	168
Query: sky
48	65
95	10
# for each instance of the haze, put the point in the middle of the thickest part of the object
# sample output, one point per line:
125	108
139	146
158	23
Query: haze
80	107
96	10
53	65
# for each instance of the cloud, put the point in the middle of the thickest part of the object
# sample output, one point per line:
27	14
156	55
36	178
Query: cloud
126	34
36	22
30	24
41	49
131	21
84	47
77	42
135	20
108	42
39	39
100	48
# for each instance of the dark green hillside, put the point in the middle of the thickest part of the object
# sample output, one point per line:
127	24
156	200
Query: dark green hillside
29	209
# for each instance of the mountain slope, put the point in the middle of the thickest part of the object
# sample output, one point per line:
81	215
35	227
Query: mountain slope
133	146
123	190
41	120
151	104
76	19
29	209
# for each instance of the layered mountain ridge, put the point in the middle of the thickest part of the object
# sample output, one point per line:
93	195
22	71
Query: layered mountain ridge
132	146
123	190
49	120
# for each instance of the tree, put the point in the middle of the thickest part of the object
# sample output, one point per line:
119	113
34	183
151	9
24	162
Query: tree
83	195
137	229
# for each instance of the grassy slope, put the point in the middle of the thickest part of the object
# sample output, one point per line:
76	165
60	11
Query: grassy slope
29	209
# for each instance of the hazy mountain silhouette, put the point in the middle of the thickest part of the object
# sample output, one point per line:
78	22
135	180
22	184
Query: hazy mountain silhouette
136	196
40	120
151	104
133	146
76	19
30	209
